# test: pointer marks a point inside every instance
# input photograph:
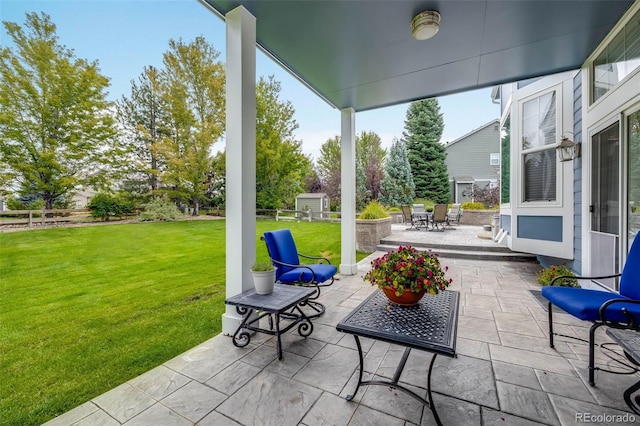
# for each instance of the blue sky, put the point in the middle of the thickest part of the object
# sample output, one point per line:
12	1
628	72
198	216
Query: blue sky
126	35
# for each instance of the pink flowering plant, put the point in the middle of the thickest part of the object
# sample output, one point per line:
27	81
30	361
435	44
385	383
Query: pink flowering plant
407	269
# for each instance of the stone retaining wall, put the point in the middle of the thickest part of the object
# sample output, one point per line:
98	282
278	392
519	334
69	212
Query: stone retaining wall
370	232
478	217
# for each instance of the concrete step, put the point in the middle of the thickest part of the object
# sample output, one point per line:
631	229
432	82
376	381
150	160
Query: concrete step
474	253
493	248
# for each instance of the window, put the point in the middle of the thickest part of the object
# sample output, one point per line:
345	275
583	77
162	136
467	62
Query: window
618	59
538	148
494	158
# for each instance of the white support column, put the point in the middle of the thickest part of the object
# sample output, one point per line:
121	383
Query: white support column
348	265
241	158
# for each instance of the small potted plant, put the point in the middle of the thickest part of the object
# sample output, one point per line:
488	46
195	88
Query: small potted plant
406	274
264	277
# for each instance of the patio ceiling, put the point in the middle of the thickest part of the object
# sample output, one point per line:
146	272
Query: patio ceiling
360	54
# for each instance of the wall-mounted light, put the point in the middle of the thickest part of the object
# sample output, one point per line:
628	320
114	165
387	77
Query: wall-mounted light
568	150
425	25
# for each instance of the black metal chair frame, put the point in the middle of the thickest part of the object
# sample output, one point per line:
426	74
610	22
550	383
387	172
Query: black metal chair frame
632	324
311	301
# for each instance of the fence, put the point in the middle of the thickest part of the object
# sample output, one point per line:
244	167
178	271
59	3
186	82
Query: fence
40	217
307	215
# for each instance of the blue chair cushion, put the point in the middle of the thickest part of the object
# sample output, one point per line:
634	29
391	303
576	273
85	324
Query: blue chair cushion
322	272
585	304
282	248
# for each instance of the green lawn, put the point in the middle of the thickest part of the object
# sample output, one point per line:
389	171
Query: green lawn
83	310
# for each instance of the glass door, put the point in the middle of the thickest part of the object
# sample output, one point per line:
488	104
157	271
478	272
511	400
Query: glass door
605	203
633	180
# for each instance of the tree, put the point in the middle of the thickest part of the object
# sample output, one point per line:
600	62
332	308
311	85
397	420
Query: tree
56	133
370	158
423	129
193	99
397	187
218	180
312	182
505	161
141	116
280	164
329	169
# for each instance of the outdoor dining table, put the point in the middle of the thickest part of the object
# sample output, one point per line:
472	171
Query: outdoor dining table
429	326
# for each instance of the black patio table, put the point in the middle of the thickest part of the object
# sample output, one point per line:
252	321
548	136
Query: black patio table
284	302
429	326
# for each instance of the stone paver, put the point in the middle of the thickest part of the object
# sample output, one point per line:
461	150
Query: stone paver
504	373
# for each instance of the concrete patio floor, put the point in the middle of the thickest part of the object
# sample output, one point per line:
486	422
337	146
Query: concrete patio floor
505	371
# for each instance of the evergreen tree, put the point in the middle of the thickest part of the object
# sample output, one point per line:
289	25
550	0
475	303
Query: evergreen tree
397	187
505	161
423	129
56	133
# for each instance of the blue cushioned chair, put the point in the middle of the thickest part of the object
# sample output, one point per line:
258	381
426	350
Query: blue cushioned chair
600	307
285	257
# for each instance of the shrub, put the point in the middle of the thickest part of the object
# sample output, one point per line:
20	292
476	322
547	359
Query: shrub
428	204
546	275
472	205
103	206
25	203
374	210
160	210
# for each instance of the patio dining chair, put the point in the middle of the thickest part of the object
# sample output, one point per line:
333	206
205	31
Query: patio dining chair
289	270
599	307
439	217
413	219
453	215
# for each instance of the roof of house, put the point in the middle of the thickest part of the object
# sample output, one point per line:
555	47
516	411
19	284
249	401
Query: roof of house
493	122
361	54
312	195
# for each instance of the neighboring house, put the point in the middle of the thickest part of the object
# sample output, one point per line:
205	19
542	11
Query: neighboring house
81	199
583	212
473	159
316	202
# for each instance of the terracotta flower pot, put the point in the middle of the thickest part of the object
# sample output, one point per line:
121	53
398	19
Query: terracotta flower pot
408	298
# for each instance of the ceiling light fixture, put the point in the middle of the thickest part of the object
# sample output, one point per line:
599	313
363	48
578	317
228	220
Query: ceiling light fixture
425	25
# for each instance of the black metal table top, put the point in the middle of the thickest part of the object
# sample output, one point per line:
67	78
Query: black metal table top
282	298
629	340
431	325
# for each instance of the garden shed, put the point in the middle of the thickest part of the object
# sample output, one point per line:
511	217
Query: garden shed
316	202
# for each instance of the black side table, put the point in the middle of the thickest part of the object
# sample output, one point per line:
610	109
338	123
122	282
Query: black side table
284	298
429	326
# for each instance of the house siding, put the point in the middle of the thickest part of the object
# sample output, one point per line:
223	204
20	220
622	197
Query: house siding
313	204
469	155
577	175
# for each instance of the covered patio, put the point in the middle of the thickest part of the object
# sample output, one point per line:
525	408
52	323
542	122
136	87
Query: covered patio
504	373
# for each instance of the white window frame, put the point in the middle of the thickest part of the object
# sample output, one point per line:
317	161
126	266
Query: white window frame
522	152
494	159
